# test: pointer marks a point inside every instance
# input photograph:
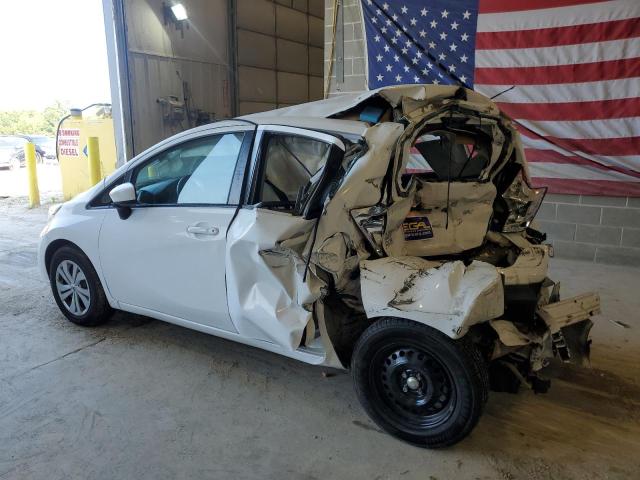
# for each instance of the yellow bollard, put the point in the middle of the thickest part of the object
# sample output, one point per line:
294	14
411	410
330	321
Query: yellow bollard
32	174
93	149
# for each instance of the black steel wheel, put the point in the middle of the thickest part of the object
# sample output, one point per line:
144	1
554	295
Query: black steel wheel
418	384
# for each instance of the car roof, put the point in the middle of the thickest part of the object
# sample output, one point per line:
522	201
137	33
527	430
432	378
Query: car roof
352	127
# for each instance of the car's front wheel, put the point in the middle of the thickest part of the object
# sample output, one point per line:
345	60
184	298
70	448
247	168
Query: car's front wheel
77	289
418	384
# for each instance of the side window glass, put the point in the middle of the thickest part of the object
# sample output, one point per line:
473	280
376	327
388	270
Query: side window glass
290	161
195	172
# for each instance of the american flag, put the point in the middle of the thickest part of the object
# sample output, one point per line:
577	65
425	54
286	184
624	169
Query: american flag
574	65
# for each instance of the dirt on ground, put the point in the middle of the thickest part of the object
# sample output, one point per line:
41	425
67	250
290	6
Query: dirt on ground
138	398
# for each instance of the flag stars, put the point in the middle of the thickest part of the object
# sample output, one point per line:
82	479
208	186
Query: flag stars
398	32
398	78
442	56
464	37
408	43
378	11
422	33
405	50
414	60
396	58
443	36
463	58
406	68
394	40
413	22
380	77
466	15
430	65
388	22
463	79
433	24
385	5
395	17
432	45
404	9
436	81
387	48
424	12
445	13
416	79
454	25
377	38
453	47
425	72
374	20
389	67
419	54
452	68
379	58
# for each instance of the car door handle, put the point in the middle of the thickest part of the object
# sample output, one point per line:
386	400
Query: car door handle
198	230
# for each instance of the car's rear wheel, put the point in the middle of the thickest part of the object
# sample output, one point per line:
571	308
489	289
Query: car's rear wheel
418	384
77	289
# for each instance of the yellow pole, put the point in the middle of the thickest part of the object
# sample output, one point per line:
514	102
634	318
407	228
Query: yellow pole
93	148
32	174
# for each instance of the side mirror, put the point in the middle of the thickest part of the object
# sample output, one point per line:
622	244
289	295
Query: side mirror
123	197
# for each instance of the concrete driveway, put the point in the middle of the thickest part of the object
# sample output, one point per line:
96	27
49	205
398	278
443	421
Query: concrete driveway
142	399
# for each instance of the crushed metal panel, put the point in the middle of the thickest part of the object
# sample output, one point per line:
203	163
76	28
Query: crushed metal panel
444	295
530	267
572	310
468	206
267	298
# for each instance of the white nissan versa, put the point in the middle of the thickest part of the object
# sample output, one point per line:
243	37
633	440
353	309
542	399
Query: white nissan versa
388	232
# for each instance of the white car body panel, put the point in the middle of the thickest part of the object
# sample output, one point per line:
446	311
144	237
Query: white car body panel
152	261
444	295
75	223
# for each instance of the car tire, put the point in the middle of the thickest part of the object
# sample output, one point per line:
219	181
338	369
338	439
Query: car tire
77	288
418	384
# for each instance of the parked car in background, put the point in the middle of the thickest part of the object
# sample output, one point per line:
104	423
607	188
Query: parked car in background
45	147
8	149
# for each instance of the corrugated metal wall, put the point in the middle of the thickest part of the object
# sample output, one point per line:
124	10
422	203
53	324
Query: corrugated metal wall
235	56
279	53
161	58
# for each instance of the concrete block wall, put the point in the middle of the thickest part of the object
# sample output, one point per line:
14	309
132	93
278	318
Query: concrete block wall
355	79
595	229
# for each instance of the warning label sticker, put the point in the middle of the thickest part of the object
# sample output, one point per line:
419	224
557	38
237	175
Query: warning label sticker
69	142
417	228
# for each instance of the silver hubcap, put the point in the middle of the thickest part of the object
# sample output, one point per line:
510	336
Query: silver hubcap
73	288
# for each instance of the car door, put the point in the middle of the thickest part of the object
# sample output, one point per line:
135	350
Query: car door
168	257
268	297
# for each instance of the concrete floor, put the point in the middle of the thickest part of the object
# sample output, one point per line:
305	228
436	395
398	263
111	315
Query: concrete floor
147	400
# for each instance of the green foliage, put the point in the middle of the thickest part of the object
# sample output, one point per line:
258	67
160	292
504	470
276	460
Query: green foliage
32	121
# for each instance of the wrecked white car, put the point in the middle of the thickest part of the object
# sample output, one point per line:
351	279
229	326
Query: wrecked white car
387	232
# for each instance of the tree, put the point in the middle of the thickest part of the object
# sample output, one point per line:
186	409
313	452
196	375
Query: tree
32	121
